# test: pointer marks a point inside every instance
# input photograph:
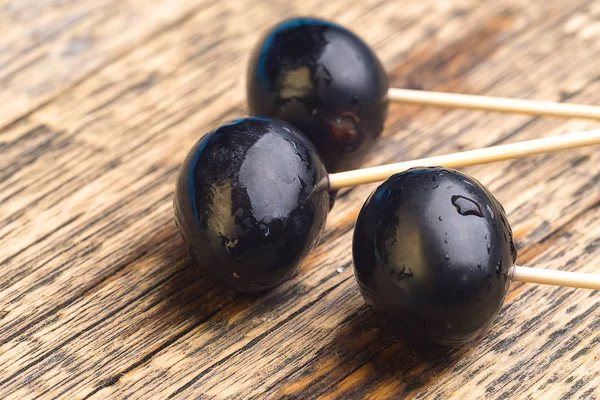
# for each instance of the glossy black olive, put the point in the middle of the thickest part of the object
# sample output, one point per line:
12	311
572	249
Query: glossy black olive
432	251
250	202
325	80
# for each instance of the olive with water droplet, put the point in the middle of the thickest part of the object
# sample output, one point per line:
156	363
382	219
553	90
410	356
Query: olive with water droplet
249	202
325	80
451	290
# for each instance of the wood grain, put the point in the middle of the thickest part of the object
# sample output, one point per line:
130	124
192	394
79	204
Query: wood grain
100	102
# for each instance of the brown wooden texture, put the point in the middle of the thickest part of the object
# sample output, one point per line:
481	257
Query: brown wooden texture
99	103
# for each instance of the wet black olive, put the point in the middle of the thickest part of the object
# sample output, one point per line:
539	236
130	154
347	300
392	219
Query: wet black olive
432	251
325	80
250	204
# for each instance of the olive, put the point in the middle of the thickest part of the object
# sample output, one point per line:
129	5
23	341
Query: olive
325	80
250	202
432	252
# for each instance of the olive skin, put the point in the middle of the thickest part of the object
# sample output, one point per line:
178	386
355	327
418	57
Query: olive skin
250	202
432	252
326	81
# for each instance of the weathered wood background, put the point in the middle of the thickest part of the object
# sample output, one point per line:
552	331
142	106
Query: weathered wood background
99	103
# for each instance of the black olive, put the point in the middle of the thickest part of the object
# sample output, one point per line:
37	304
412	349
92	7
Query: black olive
325	80
250	202
432	253
332	199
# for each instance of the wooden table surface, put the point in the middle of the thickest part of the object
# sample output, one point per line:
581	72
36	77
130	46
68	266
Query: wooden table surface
101	100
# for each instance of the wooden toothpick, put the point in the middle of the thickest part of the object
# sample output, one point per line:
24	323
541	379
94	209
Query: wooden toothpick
556	278
497	104
472	157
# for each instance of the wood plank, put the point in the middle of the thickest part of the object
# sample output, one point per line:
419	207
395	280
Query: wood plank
99	301
46	46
